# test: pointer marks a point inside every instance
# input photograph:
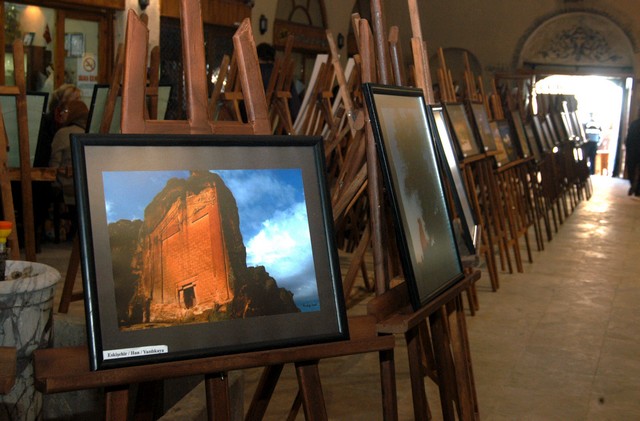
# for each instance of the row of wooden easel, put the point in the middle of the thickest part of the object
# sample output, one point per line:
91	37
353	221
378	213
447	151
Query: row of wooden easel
508	201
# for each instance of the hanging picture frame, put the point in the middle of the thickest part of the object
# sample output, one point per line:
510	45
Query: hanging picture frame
204	245
425	236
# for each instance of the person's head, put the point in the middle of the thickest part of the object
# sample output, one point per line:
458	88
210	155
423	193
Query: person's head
63	94
75	112
266	52
60	97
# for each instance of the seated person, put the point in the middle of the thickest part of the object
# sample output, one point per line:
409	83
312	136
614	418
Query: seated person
75	119
51	122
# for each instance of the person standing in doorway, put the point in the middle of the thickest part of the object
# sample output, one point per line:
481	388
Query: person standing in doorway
632	157
593	132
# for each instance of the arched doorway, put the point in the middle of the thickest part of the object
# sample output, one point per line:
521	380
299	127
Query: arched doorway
586	44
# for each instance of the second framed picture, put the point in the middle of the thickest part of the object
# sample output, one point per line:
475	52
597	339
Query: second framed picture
405	139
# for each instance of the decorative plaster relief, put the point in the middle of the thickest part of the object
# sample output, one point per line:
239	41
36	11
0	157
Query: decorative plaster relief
578	39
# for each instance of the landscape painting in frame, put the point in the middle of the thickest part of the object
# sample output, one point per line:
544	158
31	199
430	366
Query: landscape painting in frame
409	161
205	248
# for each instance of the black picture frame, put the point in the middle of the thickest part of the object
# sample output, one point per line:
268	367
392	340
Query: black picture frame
581	136
462	131
201	245
547	130
521	136
501	156
481	120
551	128
444	141
425	236
543	144
533	144
504	139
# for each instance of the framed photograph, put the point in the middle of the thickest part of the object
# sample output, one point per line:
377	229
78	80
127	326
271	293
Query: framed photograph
506	138
470	227
502	157
521	136
201	245
568	126
533	145
539	133
76	44
553	133
547	131
405	140
577	127
467	145
27	39
482	125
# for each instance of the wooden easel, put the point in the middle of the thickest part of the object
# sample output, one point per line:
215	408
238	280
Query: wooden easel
115	90
67	369
447	343
26	174
5	188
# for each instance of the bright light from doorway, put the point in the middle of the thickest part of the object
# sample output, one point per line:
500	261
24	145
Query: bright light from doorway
596	95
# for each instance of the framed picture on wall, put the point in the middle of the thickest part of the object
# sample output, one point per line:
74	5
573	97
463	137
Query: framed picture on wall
405	141
204	245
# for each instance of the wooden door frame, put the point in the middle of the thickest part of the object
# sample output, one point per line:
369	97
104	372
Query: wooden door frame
106	36
105	20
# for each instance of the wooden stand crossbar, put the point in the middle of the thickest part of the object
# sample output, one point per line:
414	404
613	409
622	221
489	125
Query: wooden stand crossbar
67	369
449	344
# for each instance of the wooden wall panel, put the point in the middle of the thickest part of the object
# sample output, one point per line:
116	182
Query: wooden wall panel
85	4
214	12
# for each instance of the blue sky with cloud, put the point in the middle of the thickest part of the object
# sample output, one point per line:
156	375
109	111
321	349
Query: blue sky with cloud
273	219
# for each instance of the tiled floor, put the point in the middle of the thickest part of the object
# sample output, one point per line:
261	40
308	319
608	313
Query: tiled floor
560	341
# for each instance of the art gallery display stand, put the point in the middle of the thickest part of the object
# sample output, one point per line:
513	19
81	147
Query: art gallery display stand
445	357
67	369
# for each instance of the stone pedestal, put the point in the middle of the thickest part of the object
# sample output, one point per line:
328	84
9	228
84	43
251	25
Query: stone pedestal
26	318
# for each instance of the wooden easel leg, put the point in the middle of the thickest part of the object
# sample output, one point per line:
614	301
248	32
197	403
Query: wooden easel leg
117	403
149	402
70	278
461	361
420	404
388	386
446	373
264	392
311	391
217	391
295	408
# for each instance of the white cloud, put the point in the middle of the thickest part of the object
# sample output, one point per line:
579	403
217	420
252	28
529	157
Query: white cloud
283	246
